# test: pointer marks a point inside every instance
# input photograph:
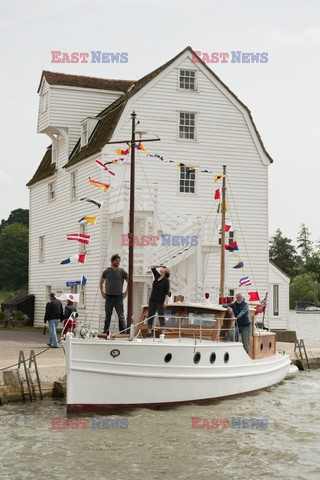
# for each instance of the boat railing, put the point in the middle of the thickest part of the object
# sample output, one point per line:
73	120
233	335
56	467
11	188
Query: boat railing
182	326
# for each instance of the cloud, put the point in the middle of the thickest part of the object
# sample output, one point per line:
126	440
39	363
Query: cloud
309	35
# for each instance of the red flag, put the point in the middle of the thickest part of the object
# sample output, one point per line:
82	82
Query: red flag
79	237
231	247
217	194
262	307
226	228
254	296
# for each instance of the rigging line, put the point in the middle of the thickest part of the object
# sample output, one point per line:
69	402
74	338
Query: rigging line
110	221
156	212
206	267
237	216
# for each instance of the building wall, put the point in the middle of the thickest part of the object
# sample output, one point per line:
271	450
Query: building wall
276	277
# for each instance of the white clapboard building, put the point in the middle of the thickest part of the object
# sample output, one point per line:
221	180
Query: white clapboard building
202	124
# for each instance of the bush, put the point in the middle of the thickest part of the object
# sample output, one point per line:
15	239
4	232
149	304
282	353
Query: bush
304	287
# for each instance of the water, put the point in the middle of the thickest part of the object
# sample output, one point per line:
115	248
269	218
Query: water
160	444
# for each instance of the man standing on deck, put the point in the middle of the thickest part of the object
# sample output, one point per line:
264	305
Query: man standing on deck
113	278
240	309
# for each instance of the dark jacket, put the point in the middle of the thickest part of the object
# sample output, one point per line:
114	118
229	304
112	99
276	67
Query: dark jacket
54	310
241	312
68	309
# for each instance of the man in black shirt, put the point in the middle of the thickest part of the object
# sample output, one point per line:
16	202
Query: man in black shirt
53	315
159	296
113	278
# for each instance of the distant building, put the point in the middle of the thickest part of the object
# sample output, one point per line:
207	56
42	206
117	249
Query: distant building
200	123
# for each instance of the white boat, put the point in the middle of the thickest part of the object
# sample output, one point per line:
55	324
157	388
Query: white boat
189	364
192	362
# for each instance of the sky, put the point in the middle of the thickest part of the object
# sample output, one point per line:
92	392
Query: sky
282	94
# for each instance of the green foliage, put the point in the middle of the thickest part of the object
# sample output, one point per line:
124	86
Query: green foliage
304	287
18	315
312	265
14	239
20	215
304	244
283	254
2	316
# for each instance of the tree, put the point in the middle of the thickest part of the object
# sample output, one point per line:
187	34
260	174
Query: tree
304	287
14	241
312	265
304	242
283	254
20	215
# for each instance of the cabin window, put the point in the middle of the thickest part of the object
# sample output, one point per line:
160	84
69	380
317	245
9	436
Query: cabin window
84	134
188	79
187	125
275	300
83	246
226	357
73	185
51	191
41	251
44	102
168	357
187	180
212	358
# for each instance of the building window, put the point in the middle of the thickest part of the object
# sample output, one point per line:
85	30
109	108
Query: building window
187	125
48	291
82	297
231	293
275	300
73	185
187	79
51	191
187	180
84	134
41	251
44	102
230	240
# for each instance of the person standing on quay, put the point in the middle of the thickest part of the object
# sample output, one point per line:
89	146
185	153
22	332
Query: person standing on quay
53	315
113	278
159	295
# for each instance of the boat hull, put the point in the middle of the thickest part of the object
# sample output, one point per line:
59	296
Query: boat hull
109	375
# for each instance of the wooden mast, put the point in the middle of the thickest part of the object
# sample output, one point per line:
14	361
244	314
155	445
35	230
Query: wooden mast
131	221
223	235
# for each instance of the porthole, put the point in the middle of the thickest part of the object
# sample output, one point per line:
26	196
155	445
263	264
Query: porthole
168	357
270	345
196	357
212	358
261	346
226	357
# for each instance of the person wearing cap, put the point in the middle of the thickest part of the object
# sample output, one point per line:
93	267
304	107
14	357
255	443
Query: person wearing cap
159	295
53	315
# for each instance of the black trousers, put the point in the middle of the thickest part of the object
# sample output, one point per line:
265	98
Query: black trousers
153	308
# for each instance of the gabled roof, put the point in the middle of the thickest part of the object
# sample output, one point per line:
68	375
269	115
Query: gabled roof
110	116
80	81
45	169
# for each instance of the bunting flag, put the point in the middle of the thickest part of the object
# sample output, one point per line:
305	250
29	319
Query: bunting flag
232	247
244	281
95	183
103	166
89	219
219	209
218	177
239	264
73	297
226	228
81	258
189	168
83	281
115	161
254	296
122	152
217	194
139	146
79	237
262	307
92	200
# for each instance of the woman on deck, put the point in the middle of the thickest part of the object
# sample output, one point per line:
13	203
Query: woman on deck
159	296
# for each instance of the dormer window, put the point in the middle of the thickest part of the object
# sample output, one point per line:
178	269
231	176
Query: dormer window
188	80
84	134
